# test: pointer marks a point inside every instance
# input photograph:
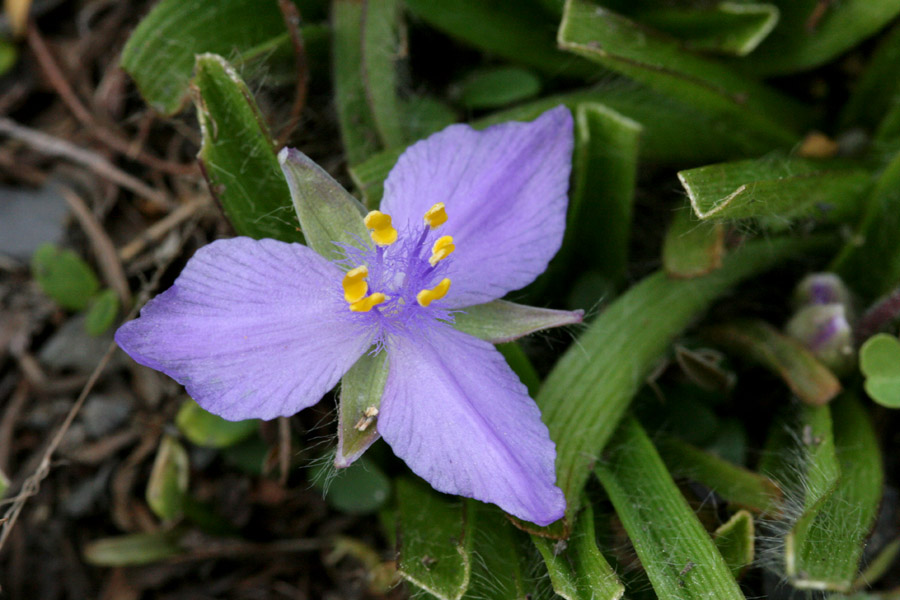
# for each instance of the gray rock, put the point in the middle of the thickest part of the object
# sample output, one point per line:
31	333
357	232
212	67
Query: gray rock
103	414
28	218
72	348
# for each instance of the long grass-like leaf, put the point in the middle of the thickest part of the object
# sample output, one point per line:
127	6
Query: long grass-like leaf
593	383
678	554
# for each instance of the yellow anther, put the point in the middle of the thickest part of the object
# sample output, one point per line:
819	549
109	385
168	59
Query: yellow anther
383	233
442	248
436	216
368	303
426	296
355	286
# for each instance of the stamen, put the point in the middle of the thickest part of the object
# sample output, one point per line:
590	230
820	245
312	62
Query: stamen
383	233
368	303
442	248
426	296
436	216
355	286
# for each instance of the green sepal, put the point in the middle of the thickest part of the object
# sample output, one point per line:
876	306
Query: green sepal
328	214
501	321
361	390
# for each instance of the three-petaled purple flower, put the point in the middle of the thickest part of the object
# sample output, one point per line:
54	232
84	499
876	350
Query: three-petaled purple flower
260	329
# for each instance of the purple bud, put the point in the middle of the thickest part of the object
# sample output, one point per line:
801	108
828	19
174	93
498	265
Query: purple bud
822	288
826	332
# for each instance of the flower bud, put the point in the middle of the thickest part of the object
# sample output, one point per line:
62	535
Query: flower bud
822	288
826	332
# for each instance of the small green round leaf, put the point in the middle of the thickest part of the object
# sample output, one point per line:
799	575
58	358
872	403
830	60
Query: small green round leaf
64	276
168	483
211	431
8	56
879	360
360	488
102	312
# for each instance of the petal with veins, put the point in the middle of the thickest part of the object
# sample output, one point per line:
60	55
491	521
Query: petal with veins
505	192
455	412
252	329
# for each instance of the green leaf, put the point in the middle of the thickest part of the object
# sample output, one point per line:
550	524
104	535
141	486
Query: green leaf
160	53
249	456
381	49
604	170
4	484
133	549
516	30
811	33
422	116
876	90
647	501
580	572
875	241
359	131
102	312
879	361
823	550
8	57
879	566
593	383
727	28
326	211
435	540
692	248
168	483
735	542
756	340
237	155
496	87
776	187
500	568
211	431
661	63
735	484
64	276
361	390
674	132
501	321
361	488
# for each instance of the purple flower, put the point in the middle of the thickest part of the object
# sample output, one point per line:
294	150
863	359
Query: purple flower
260	329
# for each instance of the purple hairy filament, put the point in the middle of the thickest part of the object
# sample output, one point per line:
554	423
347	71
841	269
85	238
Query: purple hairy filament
391	286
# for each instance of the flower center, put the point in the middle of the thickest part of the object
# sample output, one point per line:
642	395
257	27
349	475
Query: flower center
403	273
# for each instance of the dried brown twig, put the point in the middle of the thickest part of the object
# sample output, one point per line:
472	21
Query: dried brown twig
103	134
32	484
292	21
54	146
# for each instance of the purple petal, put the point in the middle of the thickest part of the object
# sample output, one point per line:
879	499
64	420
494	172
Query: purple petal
462	420
253	329
505	191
